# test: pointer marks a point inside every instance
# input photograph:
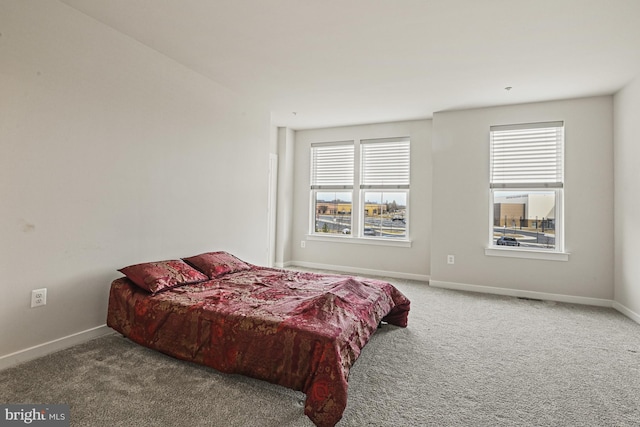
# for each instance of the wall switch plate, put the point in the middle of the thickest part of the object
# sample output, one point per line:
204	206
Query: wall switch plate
303	244
38	297
451	259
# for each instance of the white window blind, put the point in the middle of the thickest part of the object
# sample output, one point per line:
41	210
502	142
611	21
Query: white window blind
527	156
385	163
332	166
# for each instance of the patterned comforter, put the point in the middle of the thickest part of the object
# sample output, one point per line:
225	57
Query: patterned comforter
296	329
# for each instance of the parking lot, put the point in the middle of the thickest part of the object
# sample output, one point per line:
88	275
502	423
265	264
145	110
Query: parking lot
380	227
530	238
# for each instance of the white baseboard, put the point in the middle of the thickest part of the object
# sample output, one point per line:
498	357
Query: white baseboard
522	294
626	311
356	270
40	350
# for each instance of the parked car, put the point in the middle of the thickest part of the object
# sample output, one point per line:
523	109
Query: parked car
346	231
369	231
508	241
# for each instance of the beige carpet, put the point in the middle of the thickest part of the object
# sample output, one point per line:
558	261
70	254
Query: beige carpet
465	360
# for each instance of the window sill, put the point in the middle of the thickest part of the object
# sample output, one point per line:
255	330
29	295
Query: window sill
527	254
359	240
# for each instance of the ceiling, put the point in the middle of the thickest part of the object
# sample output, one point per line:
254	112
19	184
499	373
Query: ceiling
319	63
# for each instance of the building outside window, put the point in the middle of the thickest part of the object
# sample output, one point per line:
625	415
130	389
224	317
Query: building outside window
527	182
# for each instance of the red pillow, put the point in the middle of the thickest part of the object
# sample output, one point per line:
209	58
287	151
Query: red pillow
215	264
162	275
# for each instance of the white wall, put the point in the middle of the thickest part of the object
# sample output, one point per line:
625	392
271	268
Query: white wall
284	225
112	154
461	201
627	200
412	262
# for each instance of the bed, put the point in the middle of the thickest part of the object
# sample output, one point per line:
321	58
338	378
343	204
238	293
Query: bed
301	330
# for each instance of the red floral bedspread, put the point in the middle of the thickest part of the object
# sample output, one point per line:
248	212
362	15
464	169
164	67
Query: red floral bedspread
299	330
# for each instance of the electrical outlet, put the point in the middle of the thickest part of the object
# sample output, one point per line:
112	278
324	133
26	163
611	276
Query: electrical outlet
451	259
303	244
38	297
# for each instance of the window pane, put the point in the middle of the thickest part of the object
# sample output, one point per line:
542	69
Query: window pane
332	166
385	214
524	219
385	164
333	212
527	155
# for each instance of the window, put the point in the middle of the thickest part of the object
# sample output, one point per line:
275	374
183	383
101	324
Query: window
384	186
379	188
526	181
332	169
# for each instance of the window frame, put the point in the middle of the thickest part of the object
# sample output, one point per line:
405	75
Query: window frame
358	191
406	216
334	180
313	208
529	180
